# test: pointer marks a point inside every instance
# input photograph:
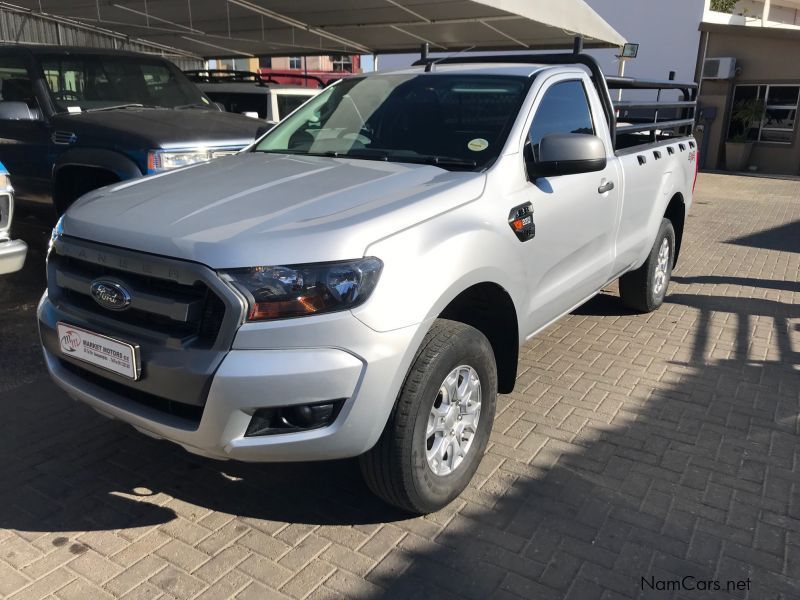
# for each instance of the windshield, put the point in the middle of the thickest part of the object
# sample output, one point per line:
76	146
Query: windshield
92	82
454	121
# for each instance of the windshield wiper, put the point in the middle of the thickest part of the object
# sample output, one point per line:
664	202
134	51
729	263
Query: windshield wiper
117	107
192	105
439	161
365	154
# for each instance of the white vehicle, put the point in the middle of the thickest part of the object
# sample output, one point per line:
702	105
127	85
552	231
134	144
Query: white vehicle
250	94
359	281
12	252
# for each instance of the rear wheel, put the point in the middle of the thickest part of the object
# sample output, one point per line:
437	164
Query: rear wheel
645	288
439	430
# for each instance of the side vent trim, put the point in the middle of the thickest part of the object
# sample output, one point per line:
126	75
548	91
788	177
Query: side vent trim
64	138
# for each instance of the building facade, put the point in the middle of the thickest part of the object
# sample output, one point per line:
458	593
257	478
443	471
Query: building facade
763	40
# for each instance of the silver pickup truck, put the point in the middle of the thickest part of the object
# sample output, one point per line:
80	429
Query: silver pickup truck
359	281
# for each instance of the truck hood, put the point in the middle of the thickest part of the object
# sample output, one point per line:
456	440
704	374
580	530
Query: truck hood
268	209
159	128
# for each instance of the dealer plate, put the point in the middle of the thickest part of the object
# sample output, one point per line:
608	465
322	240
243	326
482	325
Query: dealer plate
99	350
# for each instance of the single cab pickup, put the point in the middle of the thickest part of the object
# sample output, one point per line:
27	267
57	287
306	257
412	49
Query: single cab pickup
358	282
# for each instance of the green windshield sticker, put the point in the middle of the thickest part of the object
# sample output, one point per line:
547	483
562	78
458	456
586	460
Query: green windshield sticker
478	144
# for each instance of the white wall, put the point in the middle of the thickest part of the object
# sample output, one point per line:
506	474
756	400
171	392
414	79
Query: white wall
667	31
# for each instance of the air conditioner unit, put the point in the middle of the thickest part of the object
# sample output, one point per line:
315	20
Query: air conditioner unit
719	68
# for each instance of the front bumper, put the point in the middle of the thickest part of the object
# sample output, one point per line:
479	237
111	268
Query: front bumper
282	363
12	255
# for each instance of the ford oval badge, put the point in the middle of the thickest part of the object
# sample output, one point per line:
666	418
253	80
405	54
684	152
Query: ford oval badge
110	295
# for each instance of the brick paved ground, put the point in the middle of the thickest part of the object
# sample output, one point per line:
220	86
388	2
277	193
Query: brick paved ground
635	446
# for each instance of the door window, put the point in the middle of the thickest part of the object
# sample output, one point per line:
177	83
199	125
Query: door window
563	109
16	84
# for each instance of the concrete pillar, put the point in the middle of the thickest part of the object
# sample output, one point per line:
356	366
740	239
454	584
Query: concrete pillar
765	13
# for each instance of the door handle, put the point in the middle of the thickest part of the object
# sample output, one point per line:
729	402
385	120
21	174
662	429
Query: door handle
605	187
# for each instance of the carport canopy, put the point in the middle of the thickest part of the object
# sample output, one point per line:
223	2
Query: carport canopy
219	28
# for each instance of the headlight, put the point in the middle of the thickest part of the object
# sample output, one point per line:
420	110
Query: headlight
300	290
54	235
164	160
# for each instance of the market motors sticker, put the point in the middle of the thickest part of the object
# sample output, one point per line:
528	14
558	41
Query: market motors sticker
99	350
478	144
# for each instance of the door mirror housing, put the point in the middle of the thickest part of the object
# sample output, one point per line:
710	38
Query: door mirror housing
566	154
15	111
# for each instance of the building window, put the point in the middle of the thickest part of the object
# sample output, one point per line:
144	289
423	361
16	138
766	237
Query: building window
295	62
342	64
777	105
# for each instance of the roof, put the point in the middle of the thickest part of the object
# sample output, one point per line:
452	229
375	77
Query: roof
75	50
240	87
776	33
211	28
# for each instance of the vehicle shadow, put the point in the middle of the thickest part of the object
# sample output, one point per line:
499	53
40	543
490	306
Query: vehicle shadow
82	472
784	238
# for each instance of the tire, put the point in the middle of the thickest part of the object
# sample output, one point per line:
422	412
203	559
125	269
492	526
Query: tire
397	469
639	289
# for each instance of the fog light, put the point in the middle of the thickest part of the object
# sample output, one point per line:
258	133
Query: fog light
289	419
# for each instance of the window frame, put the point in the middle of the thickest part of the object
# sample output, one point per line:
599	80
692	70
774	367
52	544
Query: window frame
299	60
766	87
546	90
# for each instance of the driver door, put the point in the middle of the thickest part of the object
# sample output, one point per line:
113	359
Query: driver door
572	254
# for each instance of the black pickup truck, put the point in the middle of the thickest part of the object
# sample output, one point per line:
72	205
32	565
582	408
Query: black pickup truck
76	119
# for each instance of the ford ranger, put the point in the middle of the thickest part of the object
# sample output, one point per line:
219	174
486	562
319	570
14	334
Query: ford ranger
358	282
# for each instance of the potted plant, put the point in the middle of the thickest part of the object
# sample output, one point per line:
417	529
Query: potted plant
747	114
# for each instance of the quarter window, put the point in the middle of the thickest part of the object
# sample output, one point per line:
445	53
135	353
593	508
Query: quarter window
15	83
563	109
776	105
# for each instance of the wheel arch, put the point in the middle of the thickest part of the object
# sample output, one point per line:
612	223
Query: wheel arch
488	307
676	213
108	166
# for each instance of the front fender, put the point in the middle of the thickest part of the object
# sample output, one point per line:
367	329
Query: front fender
427	266
110	160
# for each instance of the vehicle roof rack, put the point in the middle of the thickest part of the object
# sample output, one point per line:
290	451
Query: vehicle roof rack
603	83
232	76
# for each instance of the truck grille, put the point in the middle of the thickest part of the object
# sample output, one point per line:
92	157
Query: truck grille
190	313
180	316
5	211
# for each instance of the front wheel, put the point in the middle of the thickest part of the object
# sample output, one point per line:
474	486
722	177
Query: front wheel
439	429
644	289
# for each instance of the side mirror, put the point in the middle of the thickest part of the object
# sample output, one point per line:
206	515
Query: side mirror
15	111
566	154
